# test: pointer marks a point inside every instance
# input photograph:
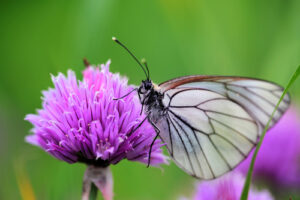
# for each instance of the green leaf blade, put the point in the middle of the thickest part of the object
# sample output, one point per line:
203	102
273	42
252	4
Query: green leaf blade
246	188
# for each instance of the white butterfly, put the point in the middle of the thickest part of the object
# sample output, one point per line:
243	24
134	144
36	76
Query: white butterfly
210	123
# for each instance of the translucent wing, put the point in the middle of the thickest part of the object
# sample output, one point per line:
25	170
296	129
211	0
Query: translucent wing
257	97
212	124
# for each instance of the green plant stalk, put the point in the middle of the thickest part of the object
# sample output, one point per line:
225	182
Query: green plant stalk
93	192
245	192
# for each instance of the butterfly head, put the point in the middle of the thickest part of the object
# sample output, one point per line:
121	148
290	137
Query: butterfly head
146	87
146	92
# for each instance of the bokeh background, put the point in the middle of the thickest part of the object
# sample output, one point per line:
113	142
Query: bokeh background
177	37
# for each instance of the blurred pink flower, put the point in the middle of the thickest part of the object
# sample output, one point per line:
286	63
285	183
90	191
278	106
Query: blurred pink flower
278	160
228	187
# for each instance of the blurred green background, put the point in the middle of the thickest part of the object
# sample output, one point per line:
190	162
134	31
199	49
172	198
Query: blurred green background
177	37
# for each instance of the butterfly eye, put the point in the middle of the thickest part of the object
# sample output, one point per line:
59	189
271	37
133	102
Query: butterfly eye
147	87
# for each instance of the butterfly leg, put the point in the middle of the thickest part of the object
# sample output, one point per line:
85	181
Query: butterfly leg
157	134
138	126
135	89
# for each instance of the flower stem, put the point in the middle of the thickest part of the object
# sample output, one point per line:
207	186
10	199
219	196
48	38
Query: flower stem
97	178
93	192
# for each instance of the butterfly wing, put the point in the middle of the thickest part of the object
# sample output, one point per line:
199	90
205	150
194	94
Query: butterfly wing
212	123
257	97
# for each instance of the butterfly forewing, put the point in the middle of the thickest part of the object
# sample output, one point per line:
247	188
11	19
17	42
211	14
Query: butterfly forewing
212	123
257	97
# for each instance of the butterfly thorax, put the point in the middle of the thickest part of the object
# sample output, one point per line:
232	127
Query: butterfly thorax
151	99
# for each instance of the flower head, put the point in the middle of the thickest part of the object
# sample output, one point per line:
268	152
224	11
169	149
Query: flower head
228	187
278	160
81	122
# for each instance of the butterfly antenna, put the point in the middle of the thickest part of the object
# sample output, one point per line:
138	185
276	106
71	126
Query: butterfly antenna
146	65
122	45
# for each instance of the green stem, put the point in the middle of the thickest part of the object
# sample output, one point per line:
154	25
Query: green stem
93	192
246	188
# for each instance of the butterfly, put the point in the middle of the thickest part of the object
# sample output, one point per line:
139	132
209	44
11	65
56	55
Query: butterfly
209	123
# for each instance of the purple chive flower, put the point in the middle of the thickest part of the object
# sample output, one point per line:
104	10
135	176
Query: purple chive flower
81	122
278	161
228	187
